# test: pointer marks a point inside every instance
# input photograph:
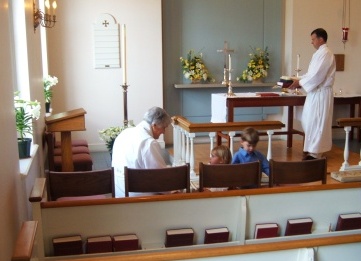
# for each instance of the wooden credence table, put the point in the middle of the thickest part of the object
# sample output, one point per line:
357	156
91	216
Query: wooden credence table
290	102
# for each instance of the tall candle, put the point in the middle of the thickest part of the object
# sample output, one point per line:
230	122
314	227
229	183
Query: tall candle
123	54
298	62
229	67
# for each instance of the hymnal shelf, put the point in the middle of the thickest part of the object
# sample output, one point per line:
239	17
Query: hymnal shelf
298	226
216	235
266	230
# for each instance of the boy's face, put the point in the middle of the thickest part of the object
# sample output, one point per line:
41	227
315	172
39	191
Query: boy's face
247	146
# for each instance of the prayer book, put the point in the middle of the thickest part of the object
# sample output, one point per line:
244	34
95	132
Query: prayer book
347	175
125	242
71	245
99	244
266	230
299	226
179	237
348	221
216	235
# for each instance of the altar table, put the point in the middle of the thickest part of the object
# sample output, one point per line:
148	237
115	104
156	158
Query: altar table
223	108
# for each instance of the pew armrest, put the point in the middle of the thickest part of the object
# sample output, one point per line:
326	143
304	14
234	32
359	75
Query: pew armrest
38	190
25	241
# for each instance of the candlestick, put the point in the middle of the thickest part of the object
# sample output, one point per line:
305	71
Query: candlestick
124	58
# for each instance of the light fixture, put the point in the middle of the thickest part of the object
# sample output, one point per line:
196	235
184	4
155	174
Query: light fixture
345	20
46	19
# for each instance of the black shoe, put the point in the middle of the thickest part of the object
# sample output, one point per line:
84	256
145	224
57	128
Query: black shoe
308	157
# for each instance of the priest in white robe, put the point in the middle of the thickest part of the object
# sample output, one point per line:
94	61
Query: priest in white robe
318	108
138	148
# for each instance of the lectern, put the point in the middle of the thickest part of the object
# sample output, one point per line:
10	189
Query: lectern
65	123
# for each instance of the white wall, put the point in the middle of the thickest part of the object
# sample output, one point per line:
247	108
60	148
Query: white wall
99	91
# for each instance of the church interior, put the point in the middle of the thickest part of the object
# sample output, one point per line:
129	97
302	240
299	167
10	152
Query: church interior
113	60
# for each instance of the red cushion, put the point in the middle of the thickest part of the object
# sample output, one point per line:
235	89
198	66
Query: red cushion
82	162
82	198
74	143
75	150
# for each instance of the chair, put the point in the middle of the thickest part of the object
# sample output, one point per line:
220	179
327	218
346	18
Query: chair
80	184
81	158
295	172
230	175
157	180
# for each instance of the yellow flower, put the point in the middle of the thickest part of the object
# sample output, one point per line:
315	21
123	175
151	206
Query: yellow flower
257	66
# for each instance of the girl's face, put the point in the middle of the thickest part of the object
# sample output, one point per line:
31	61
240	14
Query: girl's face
215	159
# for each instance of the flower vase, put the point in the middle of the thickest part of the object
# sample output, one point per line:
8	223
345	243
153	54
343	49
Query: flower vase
195	81
47	107
24	146
257	81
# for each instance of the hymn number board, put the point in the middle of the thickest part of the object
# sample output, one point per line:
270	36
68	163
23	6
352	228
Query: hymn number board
106	42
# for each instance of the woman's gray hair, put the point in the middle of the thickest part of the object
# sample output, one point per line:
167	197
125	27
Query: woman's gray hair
157	116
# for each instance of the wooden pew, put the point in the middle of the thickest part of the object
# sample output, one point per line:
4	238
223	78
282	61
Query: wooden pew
238	210
25	242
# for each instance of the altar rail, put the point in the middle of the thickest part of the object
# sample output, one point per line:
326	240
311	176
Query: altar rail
239	210
185	131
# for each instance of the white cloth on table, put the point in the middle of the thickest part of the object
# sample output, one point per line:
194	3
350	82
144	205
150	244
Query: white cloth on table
135	148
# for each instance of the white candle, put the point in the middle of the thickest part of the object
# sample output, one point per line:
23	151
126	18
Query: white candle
123	54
298	62
229	67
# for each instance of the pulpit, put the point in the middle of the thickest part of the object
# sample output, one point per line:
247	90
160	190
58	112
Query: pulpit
65	123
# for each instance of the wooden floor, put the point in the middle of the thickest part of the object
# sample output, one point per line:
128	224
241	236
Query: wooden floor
280	152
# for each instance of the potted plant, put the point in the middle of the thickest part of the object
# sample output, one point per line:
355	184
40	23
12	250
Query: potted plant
257	66
194	68
49	82
109	135
25	112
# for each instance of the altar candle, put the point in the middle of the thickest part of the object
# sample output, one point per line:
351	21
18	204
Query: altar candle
298	62
123	53
229	67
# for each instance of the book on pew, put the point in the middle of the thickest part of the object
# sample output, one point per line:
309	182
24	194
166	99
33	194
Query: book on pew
348	221
216	235
267	94
347	175
179	237
71	245
299	226
125	242
266	230
99	244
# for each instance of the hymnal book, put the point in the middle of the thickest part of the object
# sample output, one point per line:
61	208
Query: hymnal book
125	242
299	226
216	235
179	237
346	175
266	230
100	244
348	221
72	245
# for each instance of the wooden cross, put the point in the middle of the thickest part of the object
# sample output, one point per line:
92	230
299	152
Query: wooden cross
105	23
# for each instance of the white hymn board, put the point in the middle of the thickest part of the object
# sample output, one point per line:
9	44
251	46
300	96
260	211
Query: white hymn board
106	42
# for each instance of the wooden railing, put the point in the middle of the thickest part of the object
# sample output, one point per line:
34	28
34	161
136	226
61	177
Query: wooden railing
348	123
185	131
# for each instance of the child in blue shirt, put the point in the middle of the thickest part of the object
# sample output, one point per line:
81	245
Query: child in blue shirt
248	153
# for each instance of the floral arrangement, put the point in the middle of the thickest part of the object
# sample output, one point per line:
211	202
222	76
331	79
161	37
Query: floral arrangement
110	134
194	69
25	111
49	82
257	66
